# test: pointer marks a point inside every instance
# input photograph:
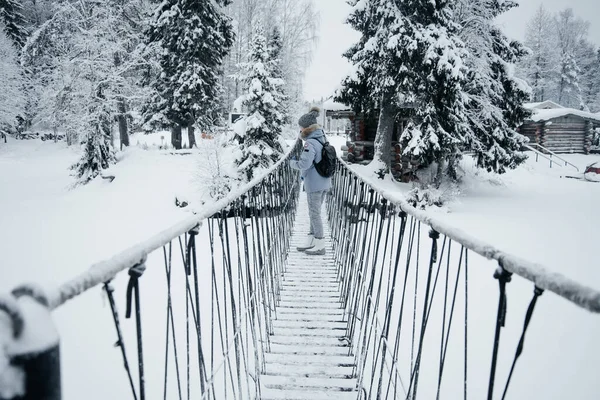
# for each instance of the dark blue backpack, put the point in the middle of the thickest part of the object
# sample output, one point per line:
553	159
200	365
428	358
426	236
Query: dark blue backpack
326	167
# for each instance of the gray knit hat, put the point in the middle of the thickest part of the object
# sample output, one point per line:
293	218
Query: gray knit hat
309	119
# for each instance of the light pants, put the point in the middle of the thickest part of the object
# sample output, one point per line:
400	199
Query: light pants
315	204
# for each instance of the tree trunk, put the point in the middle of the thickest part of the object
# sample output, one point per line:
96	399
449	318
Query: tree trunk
191	135
176	136
385	131
123	134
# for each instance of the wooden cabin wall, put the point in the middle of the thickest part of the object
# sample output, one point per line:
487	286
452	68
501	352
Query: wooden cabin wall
565	135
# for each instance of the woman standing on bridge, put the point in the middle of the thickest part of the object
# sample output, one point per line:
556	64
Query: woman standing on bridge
315	185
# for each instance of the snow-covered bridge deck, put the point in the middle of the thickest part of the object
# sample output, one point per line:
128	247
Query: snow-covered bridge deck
309	356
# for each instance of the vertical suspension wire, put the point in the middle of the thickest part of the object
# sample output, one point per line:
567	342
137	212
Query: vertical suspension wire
360	289
193	266
216	304
170	324
359	261
120	341
133	295
228	278
466	355
452	307
428	303
537	292
390	299
503	277
397	343
370	307
414	324
244	293
375	309
255	320
237	314
348	247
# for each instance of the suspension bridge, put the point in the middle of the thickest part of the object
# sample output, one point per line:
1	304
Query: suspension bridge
394	310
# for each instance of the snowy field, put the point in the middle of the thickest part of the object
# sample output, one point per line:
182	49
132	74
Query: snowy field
50	232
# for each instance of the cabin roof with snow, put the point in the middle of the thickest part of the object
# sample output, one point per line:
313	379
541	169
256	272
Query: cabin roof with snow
544	105
540	115
331	105
336	110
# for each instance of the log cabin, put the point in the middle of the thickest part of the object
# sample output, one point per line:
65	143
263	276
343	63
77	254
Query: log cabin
560	129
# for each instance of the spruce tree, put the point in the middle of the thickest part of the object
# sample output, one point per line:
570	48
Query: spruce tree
426	62
11	13
357	88
494	116
539	66
415	52
259	140
193	37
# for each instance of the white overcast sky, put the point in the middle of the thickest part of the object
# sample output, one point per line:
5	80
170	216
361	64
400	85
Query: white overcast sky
329	67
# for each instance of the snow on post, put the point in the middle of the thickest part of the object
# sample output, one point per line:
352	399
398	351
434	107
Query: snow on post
29	347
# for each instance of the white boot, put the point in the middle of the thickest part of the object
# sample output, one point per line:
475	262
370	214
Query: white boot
318	249
309	243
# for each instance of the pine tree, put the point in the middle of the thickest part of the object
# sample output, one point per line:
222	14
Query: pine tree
258	133
539	67
12	100
11	13
193	38
571	32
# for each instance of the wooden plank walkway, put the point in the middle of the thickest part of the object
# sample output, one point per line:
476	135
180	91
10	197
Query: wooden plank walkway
309	358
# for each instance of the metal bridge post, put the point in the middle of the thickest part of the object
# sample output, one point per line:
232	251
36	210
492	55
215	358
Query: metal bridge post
30	356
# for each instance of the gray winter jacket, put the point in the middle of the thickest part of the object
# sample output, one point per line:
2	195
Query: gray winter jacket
313	137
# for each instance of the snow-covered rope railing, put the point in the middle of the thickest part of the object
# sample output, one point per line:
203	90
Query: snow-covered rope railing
407	288
222	268
578	293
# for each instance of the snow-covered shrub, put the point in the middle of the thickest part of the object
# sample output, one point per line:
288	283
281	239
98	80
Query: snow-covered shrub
217	173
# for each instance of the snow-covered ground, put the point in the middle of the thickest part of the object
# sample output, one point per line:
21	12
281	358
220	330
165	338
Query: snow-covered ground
50	232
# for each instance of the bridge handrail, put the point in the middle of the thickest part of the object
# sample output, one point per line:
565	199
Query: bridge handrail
104	271
584	296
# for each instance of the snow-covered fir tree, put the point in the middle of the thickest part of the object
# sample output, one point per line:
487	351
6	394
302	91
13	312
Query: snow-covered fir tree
11	14
414	56
570	32
357	87
258	133
418	54
193	38
495	97
12	99
539	66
